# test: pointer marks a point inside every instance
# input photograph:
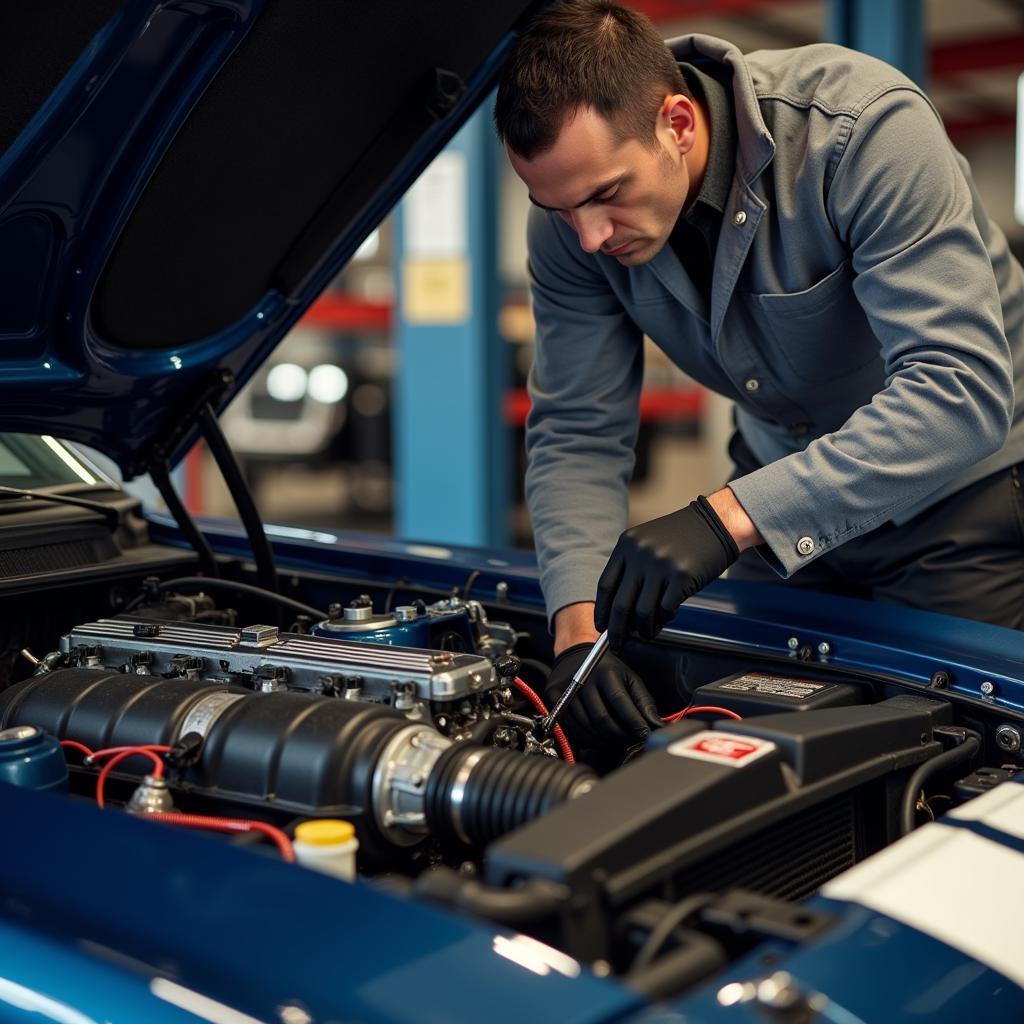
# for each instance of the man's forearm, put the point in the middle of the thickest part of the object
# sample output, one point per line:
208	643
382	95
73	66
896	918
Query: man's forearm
574	624
735	519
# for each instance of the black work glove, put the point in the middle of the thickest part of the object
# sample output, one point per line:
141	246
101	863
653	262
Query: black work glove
612	707
656	566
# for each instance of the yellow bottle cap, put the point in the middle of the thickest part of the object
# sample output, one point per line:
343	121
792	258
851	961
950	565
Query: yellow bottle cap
326	832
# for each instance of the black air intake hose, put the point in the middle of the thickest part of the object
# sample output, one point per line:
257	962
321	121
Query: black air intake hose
476	794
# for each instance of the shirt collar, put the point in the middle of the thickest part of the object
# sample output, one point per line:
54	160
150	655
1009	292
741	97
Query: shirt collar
714	190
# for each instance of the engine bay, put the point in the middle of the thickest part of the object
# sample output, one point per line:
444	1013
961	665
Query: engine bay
416	724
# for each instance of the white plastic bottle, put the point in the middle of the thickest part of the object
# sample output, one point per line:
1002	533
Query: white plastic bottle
328	845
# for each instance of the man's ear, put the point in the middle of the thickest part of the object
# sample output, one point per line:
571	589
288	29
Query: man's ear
678	115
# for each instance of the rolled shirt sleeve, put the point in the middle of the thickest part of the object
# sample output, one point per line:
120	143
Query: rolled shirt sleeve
905	211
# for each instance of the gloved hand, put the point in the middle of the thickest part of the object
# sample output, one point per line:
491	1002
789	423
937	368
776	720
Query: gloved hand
656	566
613	707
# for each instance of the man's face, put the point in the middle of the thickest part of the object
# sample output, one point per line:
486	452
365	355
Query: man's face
621	199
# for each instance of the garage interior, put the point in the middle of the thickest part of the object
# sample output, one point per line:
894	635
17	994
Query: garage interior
317	428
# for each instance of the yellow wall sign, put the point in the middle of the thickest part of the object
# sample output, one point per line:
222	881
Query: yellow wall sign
435	291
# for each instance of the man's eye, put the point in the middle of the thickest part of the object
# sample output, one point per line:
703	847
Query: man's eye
608	197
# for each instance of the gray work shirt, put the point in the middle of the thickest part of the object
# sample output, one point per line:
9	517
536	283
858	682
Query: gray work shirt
865	316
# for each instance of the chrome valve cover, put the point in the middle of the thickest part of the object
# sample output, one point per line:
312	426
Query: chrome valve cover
263	658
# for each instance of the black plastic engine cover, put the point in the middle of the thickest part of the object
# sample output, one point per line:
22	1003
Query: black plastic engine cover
761	693
293	752
699	791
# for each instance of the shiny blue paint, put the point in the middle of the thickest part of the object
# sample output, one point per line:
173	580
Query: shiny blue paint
417	633
402	634
452	448
33	762
134	899
870	968
741	618
56	979
68	185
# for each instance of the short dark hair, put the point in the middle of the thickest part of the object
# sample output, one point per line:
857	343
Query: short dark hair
584	53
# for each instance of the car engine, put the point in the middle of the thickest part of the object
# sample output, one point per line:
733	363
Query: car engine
415	725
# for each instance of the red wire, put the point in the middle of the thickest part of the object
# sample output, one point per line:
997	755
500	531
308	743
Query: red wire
280	840
75	745
119	754
560	737
122	755
154	747
697	710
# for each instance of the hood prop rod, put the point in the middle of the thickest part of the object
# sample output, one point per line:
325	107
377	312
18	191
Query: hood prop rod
263	553
160	474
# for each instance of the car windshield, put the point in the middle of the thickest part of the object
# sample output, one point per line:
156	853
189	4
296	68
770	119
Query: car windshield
30	461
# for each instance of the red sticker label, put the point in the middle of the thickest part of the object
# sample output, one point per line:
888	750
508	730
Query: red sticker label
735	750
721	748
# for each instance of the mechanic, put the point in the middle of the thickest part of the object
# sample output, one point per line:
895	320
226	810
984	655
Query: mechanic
795	230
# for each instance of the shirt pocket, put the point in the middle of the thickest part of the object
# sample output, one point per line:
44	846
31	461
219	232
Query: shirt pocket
821	332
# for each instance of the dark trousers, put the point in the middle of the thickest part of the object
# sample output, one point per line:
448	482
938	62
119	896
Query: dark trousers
963	556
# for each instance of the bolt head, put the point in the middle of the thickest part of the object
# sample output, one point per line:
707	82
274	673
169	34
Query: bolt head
988	687
1008	738
824	647
793	643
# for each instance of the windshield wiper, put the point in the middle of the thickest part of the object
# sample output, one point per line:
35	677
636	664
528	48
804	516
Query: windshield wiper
112	514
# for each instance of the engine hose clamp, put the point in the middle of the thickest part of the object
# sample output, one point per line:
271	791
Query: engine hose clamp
458	793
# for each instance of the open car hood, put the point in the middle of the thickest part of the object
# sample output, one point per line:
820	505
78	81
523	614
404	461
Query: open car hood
180	180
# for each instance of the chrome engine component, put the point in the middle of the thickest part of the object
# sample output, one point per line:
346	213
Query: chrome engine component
264	659
153	796
452	623
399	783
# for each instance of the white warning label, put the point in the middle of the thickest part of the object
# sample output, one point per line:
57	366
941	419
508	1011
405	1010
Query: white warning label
721	748
778	686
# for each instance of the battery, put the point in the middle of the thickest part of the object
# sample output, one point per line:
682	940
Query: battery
761	693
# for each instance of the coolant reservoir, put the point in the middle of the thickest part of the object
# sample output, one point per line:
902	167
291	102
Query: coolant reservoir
327	845
32	759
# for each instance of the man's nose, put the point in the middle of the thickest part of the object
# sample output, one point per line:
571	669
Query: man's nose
593	228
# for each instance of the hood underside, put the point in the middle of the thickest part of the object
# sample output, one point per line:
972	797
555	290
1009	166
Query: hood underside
179	181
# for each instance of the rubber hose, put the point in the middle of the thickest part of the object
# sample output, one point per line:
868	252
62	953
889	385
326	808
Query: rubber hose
535	900
476	794
246	589
924	772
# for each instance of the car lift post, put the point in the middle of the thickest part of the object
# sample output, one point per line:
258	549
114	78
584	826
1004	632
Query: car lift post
452	451
892	30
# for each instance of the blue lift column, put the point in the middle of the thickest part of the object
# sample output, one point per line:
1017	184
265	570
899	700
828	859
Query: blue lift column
892	30
452	451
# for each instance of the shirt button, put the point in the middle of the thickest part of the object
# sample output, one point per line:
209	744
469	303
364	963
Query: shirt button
799	429
805	546
739	218
752	385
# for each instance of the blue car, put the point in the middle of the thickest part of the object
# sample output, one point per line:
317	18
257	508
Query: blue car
258	773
